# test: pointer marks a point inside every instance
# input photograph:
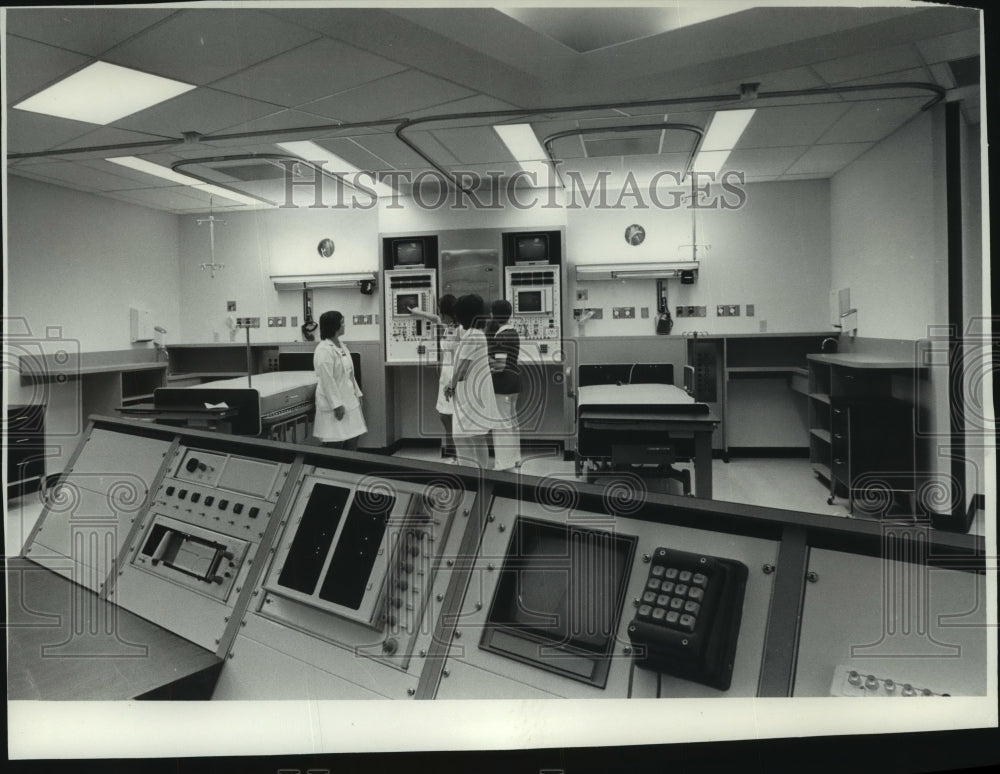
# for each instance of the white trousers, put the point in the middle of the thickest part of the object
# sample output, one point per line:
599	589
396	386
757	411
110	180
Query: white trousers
507	439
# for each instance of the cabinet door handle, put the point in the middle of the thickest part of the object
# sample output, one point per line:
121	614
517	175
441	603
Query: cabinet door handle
838	462
22	440
849	376
838	436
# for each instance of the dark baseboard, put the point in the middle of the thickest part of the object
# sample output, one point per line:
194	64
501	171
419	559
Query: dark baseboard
782	452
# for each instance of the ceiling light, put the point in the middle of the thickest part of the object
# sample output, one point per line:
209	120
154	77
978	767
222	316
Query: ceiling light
165	173
723	133
523	145
334	165
101	93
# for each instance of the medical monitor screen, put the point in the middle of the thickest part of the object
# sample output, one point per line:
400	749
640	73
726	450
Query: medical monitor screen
532	249
529	301
559	598
407	252
406	301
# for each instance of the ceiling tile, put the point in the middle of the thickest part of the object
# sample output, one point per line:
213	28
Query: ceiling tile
109	135
775	127
203	110
201	46
393	96
355	154
281	119
478	103
569	147
913	75
167	197
30	132
763	161
957	45
86	176
88	31
315	70
871	121
388	147
886	60
622	145
827	159
475	145
32	66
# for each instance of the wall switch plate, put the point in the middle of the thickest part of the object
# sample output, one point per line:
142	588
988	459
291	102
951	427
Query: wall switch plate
644	313
750	310
720	311
598	313
734	310
295	321
623	313
581	295
230	306
356	320
272	322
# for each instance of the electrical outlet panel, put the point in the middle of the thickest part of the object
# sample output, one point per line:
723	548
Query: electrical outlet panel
230	306
750	310
581	295
356	320
247	322
691	311
644	313
295	322
598	313
276	322
623	313
727	310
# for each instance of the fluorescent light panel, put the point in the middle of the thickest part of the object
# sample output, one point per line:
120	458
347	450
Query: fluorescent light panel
723	133
165	173
334	165
101	93
523	145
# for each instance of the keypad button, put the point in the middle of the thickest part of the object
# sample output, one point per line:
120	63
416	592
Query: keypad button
223	504
658	613
182	494
671	573
644	612
209	500
254	512
699	580
237	507
692	607
195	496
663	600
667	587
657	571
672	617
686	623
685	576
676	603
696	594
653	584
170	491
681	589
649	597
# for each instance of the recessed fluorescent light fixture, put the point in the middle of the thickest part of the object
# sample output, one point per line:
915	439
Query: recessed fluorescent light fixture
101	93
141	165
723	133
336	166
523	145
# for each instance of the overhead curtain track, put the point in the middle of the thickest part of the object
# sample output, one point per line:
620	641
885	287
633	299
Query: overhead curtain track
402	125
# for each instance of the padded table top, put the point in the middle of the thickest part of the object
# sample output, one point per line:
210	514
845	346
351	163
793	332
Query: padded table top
633	395
268	384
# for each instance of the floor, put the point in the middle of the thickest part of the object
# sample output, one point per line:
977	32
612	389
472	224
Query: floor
788	484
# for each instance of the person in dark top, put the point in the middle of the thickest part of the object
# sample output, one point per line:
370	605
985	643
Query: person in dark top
504	347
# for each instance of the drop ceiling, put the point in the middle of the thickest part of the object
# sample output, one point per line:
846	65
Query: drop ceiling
348	78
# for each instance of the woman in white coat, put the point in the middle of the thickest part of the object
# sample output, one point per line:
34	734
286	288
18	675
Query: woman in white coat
471	386
339	420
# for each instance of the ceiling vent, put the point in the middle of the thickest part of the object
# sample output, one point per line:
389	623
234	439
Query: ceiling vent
965	71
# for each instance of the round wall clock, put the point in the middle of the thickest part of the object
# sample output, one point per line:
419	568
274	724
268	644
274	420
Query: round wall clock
325	248
634	234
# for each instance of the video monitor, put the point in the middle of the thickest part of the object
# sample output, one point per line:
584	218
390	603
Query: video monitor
559	599
407	252
531	248
406	301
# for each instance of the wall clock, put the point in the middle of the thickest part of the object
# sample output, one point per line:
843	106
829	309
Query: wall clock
635	234
325	248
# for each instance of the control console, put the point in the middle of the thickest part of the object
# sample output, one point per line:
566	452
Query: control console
409	339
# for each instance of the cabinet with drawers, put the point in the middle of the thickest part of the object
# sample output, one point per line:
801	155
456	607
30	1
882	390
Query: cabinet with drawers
25	440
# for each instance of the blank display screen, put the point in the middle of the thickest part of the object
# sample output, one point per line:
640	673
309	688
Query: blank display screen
563	585
529	301
407	301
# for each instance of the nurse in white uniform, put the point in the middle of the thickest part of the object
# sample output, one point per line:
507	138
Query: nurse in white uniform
448	340
339	420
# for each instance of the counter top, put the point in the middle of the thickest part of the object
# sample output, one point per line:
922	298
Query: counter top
852	360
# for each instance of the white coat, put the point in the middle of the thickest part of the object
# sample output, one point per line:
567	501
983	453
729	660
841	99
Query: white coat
336	387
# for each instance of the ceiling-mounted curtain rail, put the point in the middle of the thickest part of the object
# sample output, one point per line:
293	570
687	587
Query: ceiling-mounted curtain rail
401	125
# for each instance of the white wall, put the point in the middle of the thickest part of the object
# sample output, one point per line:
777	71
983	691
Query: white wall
889	247
76	261
773	252
255	245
